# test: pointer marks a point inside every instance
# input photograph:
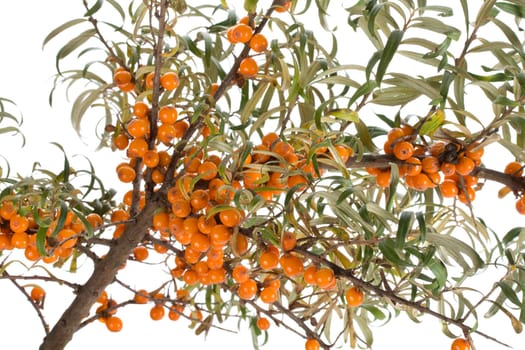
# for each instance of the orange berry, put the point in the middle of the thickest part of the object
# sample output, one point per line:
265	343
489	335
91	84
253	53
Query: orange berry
466	195
258	43
383	178
474	151
309	275
430	164
127	87
126	173
166	133
181	208
7	210
114	324
67	238
230	217
122	77
241	244
284	8
169	80
448	188
207	170
269	295
324	277
38	294
411	167
403	150
240	273
448	169
137	148
247	289
312	344
394	134
18	223
149	80
465	165
288	241
460	344
263	324
354	297
140	253
140	110
168	114
157	312
248	67
151	158
292	265
514	169
239	33
344	152
141	296
138	128
268	260
120	141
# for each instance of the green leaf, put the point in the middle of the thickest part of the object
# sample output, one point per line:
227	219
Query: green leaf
74	44
387	248
250	5
93	9
404	226
509	293
61	29
364	89
344	114
388	53
516	10
484	12
433	123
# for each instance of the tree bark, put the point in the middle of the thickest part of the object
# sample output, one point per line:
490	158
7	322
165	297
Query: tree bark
103	274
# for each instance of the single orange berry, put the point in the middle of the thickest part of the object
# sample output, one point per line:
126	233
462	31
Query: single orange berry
248	67
169	80
263	324
140	253
281	9
403	150
168	114
460	344
258	43
312	344
157	312
38	294
239	33
140	110
514	169
247	289
114	324
122	77
354	297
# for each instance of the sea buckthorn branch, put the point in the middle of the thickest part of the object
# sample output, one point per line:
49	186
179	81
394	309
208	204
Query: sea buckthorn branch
94	22
36	304
394	298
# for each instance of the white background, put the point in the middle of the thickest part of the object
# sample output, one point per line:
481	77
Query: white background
26	77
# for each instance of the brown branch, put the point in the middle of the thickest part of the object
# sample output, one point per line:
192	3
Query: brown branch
13	279
394	298
103	274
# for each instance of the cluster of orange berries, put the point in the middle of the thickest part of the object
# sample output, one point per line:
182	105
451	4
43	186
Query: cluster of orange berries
447	165
18	229
290	168
243	33
106	313
126	82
